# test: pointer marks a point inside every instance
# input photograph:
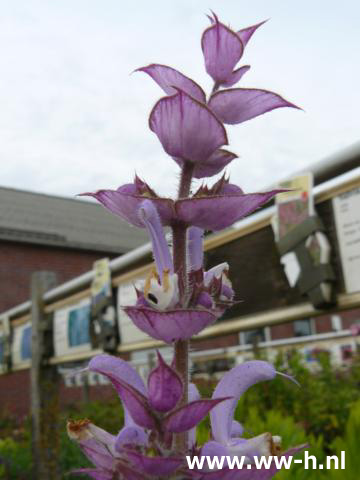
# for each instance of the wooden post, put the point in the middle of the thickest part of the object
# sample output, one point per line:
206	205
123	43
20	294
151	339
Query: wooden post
44	385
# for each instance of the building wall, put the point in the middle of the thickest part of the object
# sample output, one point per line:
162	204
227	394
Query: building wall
285	330
19	260
15	394
323	324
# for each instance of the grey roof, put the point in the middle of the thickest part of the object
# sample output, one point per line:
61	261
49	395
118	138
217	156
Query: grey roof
59	221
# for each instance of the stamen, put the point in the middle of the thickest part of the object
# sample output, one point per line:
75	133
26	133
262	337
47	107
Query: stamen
152	274
166	282
77	425
275	445
77	429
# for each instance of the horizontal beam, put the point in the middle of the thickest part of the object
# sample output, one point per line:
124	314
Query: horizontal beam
244	227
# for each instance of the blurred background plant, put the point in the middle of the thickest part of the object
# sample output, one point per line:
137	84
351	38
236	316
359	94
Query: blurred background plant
324	412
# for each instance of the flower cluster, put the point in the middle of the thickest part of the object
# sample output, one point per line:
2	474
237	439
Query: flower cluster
179	298
143	449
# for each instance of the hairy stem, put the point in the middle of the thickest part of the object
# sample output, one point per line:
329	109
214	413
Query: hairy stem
185	180
179	255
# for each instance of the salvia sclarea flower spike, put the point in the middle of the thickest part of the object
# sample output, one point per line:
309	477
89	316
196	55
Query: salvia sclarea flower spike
151	419
179	298
143	447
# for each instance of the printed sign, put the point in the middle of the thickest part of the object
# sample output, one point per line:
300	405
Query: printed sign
71	329
21	344
347	219
129	333
101	285
295	206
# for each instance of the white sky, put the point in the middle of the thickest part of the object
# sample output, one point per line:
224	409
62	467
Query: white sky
73	119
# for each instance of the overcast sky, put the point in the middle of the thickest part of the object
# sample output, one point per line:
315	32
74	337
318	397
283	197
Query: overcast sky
73	118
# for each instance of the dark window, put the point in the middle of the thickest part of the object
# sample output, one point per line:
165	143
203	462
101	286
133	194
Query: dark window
346	352
252	336
302	328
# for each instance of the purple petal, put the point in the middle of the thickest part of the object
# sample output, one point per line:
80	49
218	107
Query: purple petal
213	165
214	449
205	300
165	387
188	416
236	429
195	247
150	218
136	404
186	128
230	188
167	78
125	203
215	272
96	443
128	385
171	325
132	435
94	473
246	33
236	76
128	473
193	395
97	454
199	211
118	369
233	384
261	445
222	49
238	105
154	465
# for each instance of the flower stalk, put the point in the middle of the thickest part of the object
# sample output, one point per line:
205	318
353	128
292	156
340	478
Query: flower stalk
181	349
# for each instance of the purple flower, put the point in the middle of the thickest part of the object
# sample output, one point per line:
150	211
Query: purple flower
234	383
226	433
222	49
184	121
190	132
171	325
159	310
230	202
101	448
153	408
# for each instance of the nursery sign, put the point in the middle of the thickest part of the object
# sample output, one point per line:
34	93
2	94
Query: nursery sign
347	218
71	329
129	333
21	344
